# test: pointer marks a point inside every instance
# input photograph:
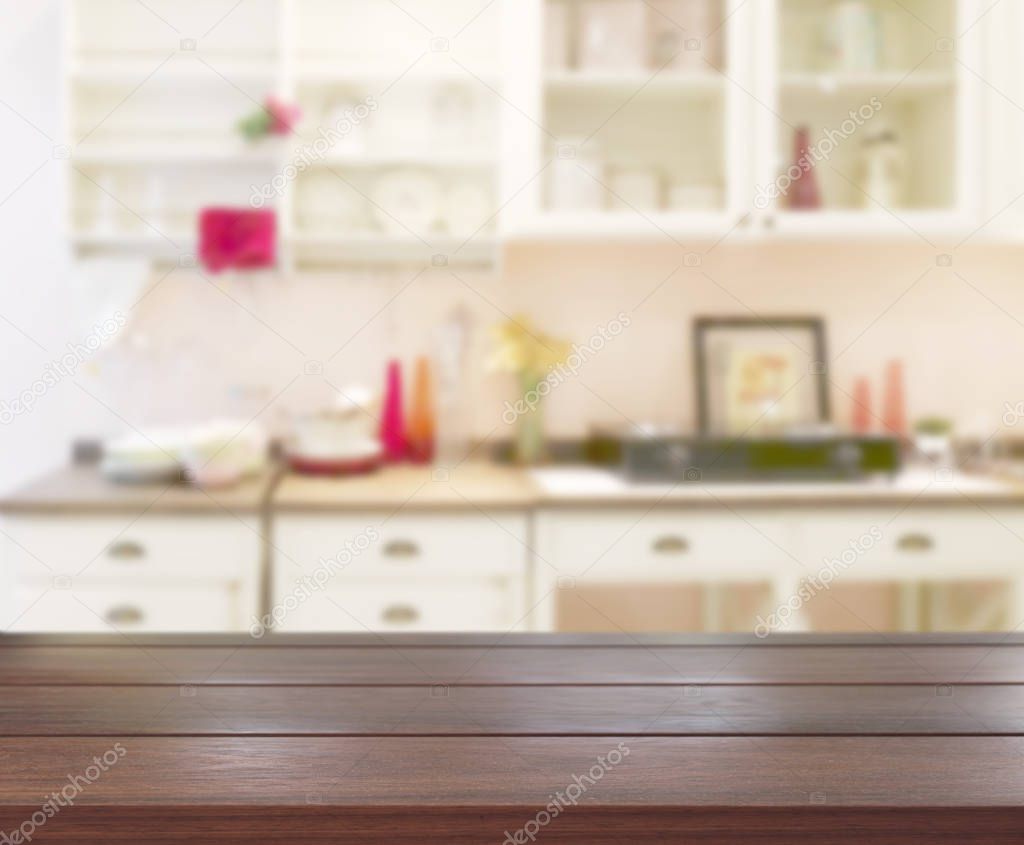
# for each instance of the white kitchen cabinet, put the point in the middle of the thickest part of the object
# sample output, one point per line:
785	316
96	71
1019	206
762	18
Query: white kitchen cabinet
584	140
114	573
945	82
923	88
384	572
915	568
487	122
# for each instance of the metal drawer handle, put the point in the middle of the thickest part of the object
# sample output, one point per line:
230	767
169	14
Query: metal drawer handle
670	545
400	614
915	543
401	549
125	614
126	551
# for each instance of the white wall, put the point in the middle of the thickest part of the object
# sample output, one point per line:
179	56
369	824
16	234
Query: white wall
34	276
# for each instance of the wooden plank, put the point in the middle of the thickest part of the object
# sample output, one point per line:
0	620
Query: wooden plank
765	664
512	711
487	772
582	825
505	640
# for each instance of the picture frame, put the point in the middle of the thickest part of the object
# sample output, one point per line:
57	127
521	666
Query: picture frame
760	377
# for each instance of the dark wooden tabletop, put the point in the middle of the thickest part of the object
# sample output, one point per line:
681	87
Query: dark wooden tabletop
467	739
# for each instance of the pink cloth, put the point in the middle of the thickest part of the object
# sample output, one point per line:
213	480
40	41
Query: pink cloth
237	238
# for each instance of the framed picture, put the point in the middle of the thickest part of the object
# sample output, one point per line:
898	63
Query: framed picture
760	377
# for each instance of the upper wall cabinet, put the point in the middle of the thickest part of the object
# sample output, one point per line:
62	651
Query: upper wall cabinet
870	116
765	118
434	131
629	118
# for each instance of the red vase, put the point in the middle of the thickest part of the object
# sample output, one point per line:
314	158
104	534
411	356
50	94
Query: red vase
392	418
803	191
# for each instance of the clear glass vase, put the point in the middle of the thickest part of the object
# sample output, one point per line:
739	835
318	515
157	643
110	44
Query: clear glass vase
530	425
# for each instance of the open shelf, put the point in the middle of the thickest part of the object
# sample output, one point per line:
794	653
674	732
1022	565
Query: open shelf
623	225
376	248
129	155
628	83
878	83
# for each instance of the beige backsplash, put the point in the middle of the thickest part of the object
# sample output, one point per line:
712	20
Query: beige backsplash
957	328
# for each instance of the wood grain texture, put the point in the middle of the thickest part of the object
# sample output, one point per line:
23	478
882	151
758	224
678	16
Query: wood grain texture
465	739
594	825
525	771
425	665
512	711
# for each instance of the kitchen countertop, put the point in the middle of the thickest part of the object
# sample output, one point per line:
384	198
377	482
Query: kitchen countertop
467	486
573	738
488	486
83	489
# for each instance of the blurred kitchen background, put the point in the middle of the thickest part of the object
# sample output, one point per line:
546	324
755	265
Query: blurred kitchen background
512	315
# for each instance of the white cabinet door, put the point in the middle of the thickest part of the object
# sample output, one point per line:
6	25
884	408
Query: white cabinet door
173	573
377	571
691	569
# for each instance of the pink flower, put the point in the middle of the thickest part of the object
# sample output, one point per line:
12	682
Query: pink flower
283	116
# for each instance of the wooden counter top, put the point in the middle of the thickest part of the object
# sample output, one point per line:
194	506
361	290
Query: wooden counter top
84	490
465	487
485	486
596	739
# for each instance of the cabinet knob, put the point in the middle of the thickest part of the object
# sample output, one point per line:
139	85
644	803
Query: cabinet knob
400	614
915	543
126	551
670	545
401	549
124	614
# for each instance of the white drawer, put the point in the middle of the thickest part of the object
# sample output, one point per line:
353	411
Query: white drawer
128	609
915	543
150	548
458	605
696	544
381	545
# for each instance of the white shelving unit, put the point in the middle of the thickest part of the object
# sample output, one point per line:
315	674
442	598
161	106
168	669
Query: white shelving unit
524	120
155	93
730	120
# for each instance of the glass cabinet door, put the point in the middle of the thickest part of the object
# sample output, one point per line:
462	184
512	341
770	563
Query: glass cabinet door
872	117
638	123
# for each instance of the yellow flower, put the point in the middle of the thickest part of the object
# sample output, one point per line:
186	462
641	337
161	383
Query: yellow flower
521	348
